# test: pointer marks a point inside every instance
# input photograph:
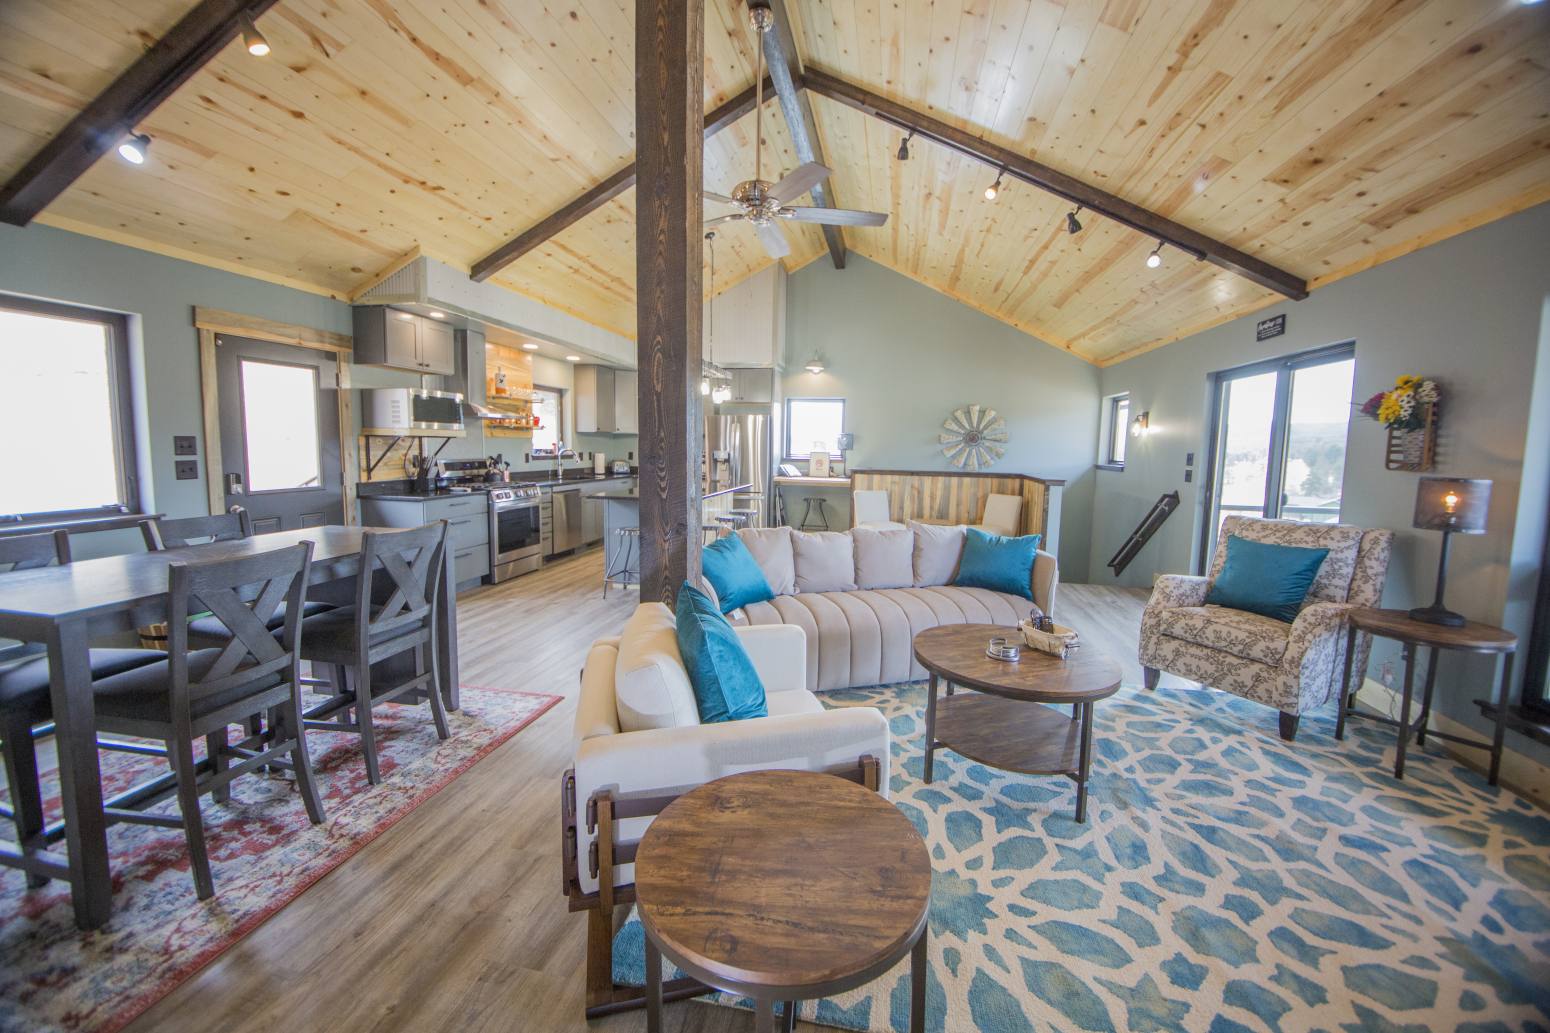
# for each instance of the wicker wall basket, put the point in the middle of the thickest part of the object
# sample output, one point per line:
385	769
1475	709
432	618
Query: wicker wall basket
1414	449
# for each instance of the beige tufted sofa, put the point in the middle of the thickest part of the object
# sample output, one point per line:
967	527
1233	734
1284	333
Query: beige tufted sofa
862	595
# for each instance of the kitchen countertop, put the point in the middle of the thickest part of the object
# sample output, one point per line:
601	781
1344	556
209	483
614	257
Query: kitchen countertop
543	480
634	493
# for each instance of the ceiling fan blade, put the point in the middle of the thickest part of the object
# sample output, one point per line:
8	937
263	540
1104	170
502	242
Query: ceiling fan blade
711	195
718	220
774	239
802	179
835	216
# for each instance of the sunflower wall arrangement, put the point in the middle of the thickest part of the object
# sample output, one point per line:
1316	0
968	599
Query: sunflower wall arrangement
973	437
1409	411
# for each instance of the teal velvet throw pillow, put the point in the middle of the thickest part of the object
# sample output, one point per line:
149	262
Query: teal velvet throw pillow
997	562
726	686
1267	579
734	574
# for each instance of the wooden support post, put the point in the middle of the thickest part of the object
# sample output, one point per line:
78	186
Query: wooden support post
669	130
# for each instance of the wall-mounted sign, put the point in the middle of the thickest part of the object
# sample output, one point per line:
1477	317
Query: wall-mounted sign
1265	329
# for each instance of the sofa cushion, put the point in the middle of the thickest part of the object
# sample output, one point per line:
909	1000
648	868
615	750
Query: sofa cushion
726	685
825	561
651	686
884	558
937	551
733	573
1239	632
771	549
1332	583
1264	578
998	563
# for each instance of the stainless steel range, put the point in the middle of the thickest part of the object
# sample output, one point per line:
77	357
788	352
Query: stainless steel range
516	531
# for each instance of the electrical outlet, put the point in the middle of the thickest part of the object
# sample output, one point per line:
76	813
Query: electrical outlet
187	469
184	445
1386	674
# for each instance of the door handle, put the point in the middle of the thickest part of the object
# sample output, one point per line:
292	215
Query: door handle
234	484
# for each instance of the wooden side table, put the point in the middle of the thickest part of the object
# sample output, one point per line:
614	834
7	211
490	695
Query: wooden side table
783	886
1412	634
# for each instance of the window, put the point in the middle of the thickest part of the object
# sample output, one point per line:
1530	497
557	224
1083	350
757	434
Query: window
280	426
1116	430
814	424
66	375
548	406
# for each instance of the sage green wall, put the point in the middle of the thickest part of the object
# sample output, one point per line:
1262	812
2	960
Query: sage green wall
904	357
1468	312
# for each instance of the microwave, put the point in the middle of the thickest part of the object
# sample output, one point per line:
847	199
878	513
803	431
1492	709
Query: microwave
411	408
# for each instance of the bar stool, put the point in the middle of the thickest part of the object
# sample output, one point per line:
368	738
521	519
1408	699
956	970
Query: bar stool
808	523
731	521
620	572
750	516
710	532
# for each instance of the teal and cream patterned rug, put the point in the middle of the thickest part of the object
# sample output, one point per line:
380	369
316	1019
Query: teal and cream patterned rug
1225	881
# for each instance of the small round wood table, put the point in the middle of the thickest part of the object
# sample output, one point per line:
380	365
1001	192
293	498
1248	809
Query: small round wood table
783	886
1470	637
1004	724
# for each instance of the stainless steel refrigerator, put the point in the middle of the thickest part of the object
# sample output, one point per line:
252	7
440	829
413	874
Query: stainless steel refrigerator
740	441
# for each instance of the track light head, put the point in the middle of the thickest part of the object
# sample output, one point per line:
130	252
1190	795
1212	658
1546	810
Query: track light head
904	146
252	39
134	147
994	188
1154	259
1072	225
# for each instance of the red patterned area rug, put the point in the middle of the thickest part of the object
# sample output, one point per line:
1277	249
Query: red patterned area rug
263	851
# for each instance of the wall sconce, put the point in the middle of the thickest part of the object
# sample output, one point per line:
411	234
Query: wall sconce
1141	424
815	365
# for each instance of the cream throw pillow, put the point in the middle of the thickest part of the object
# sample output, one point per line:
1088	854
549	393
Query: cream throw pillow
771	549
884	558
825	561
938	547
651	686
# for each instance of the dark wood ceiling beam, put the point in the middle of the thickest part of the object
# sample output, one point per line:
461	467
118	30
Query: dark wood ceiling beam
715	121
116	112
780	53
1021	167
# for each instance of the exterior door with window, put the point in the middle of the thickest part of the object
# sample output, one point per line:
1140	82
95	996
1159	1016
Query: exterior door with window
279	414
1278	440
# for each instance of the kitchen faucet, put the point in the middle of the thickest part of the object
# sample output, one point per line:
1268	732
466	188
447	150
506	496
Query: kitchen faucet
561	453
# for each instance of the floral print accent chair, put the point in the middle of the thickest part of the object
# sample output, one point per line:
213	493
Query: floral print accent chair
1293	667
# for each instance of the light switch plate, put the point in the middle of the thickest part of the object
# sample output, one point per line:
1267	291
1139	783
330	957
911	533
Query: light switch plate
187	469
184	445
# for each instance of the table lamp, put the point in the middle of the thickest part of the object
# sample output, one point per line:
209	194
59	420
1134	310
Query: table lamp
1452	505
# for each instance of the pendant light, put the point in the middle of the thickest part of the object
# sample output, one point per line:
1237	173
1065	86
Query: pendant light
1154	259
994	188
714	381
252	39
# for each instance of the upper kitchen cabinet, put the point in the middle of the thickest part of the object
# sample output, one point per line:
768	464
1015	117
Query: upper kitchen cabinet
595	409
627	401
389	337
750	322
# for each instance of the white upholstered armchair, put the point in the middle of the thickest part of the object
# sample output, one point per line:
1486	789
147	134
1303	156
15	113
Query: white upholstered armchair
1293	667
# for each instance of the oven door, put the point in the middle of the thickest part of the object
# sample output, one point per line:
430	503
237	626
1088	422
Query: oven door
517	530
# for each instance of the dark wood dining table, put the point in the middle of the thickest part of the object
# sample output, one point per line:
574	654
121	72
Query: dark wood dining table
66	607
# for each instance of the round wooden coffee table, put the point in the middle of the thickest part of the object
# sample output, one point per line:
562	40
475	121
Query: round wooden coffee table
783	886
1004	723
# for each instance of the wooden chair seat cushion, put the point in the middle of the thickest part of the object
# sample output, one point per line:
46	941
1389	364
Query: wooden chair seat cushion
24	688
145	694
329	638
210	630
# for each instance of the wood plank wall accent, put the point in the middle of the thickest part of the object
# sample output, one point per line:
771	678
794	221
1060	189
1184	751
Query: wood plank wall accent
670	130
941	497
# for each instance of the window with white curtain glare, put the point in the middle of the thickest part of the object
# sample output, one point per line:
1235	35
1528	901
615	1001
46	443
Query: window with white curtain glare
549	408
1119	430
66	379
813	425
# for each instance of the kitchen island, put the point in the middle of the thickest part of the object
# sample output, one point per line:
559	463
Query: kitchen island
621	509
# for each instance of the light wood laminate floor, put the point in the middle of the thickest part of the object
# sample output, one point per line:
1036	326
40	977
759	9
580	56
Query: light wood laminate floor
452	921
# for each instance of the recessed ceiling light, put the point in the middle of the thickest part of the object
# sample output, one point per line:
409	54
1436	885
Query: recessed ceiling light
438	315
529	346
406	317
254	40
133	149
573	358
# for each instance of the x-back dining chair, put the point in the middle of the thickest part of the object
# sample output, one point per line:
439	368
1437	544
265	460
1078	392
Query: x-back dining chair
26	706
180	532
200	692
351	639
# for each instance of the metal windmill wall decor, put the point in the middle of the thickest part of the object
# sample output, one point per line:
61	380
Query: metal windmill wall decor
973	437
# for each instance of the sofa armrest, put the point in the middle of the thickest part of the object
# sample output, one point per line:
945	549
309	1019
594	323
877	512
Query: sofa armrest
596	712
1315	650
779	654
1175	590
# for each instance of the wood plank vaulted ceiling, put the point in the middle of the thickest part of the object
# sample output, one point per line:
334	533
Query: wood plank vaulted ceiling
1322	136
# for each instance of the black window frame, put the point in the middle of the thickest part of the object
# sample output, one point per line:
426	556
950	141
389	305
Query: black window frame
1118	428
786	444
120	392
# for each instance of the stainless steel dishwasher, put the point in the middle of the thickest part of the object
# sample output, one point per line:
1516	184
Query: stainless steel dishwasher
566	521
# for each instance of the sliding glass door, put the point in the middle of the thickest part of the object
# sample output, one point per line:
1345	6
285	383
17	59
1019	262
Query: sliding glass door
1278	437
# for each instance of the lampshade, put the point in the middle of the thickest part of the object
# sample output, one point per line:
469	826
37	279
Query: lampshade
1452	504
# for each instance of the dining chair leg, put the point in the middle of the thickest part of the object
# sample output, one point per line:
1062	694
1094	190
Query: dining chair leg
306	782
438	707
361	679
180	752
21	774
215	749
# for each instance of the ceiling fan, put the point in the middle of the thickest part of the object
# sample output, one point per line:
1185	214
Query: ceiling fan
761	203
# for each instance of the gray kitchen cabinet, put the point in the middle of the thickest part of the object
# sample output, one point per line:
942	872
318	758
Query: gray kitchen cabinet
753	385
626	401
592	516
468	526
390	337
595	410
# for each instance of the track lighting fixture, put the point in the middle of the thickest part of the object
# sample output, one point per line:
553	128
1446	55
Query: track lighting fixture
1154	259
994	188
134	147
904	146
252	39
1072	226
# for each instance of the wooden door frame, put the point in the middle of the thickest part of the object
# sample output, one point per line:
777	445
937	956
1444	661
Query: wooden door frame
211	322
